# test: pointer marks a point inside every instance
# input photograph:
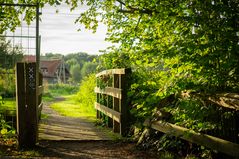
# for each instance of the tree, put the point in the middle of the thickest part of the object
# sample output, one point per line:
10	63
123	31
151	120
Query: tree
195	39
75	73
88	68
8	55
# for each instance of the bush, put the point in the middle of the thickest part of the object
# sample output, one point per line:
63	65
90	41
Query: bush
86	95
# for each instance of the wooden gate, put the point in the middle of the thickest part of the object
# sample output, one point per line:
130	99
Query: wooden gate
29	104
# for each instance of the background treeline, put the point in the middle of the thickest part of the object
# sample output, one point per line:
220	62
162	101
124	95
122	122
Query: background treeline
79	64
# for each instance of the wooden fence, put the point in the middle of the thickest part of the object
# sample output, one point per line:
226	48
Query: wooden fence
112	103
29	103
209	141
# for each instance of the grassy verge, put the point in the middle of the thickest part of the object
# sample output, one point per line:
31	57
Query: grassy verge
58	90
72	108
8	105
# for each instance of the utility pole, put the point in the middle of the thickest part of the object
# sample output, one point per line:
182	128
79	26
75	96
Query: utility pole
64	70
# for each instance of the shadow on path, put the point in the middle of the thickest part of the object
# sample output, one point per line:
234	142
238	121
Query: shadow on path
92	150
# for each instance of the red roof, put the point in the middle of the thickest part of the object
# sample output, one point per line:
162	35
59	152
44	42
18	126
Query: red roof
29	58
48	67
51	67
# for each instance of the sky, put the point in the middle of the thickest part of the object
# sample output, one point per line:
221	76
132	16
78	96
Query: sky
59	32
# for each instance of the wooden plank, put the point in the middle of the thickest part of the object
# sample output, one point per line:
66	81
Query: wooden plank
212	142
112	71
32	104
116	101
114	92
40	107
225	102
229	95
20	103
109	112
40	90
124	105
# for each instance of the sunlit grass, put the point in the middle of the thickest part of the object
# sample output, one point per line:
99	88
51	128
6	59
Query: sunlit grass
44	116
61	89
8	104
70	107
47	97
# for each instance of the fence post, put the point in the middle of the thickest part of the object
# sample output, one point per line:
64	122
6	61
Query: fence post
124	102
26	104
116	101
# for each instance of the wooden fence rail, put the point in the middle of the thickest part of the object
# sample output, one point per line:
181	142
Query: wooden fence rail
112	98
209	141
29	103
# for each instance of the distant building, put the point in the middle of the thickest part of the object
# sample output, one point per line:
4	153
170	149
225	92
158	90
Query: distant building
53	71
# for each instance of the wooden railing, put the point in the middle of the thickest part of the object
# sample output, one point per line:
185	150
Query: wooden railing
29	103
112	103
209	141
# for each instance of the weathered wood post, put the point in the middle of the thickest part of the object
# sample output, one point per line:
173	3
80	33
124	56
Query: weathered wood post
116	103
123	105
26	89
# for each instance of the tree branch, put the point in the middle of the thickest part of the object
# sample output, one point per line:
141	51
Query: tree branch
132	10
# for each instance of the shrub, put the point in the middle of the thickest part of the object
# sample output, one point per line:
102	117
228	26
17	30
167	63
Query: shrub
86	95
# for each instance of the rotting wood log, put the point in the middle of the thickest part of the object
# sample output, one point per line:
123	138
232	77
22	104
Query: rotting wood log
212	142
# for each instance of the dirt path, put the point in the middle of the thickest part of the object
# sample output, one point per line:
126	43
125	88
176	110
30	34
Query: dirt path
57	127
74	138
66	137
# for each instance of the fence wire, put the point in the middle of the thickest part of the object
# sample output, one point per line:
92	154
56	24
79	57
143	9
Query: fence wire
15	46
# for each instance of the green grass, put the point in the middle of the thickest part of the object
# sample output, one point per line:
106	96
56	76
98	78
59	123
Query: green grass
44	116
70	107
61	89
47	97
58	90
8	104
